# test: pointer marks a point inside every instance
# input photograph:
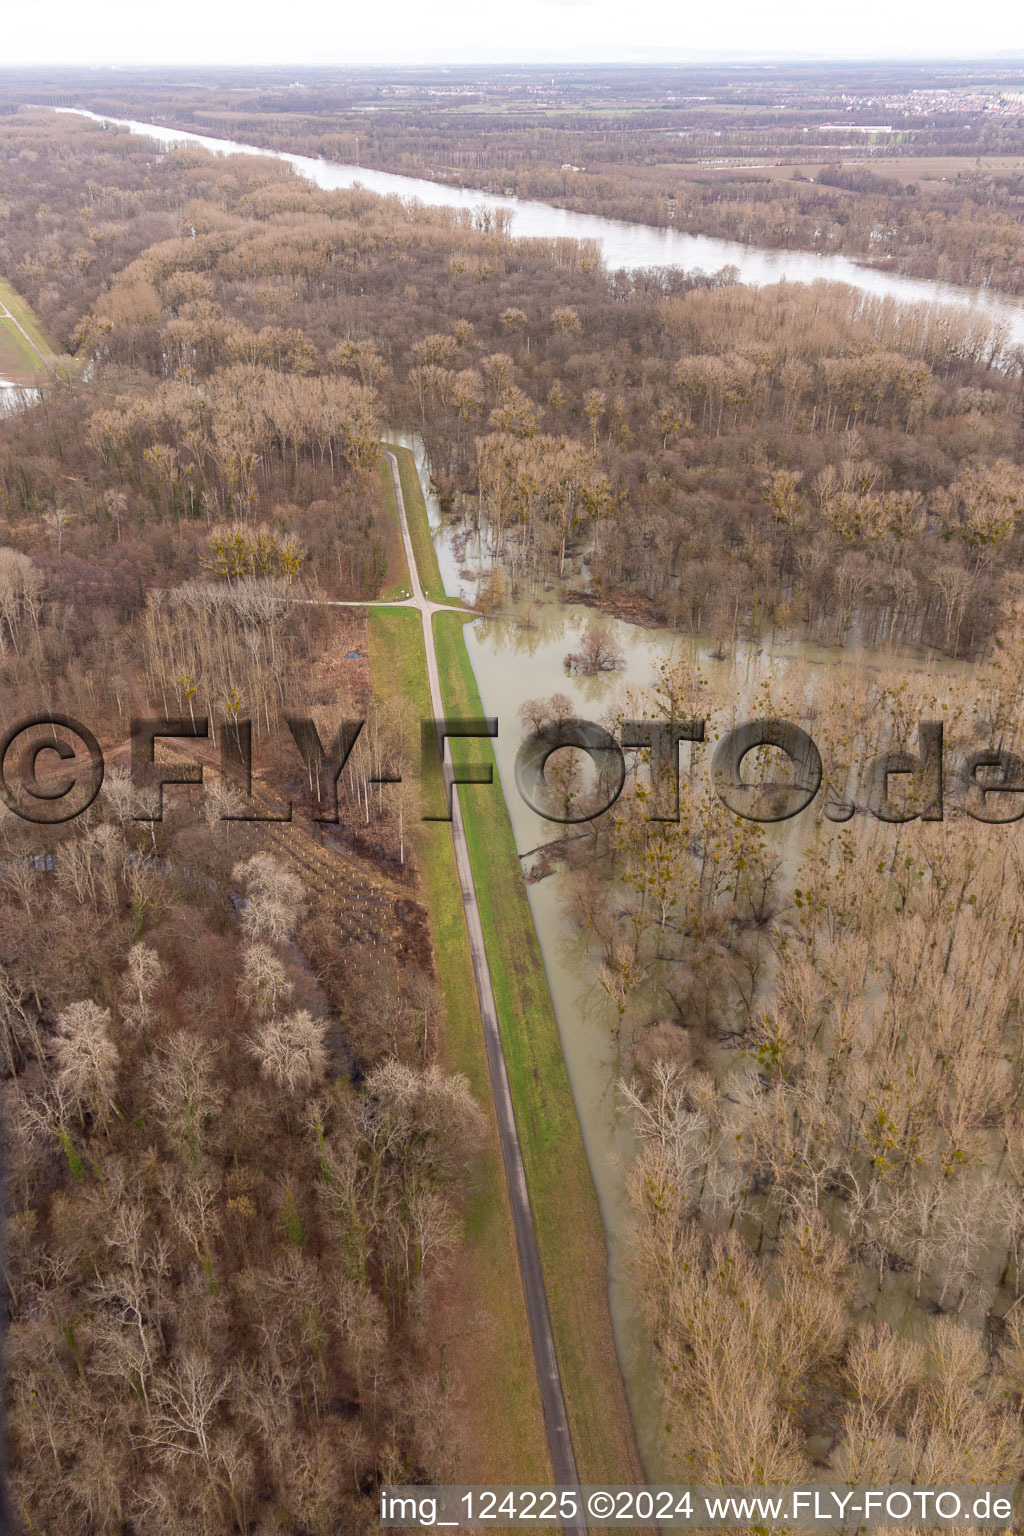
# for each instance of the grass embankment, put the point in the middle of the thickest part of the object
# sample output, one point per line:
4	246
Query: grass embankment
419	527
570	1232
505	1439
396	580
19	361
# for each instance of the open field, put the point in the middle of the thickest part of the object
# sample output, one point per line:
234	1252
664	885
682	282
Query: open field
905	168
504	1438
570	1232
20	361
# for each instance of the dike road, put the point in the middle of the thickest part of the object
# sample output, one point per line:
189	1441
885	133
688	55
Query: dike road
563	1459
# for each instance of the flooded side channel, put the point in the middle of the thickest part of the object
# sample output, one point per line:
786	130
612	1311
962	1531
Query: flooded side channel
521	656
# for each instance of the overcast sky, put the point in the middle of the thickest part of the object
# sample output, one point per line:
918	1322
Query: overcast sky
407	31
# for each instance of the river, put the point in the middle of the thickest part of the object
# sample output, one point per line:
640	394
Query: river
622	244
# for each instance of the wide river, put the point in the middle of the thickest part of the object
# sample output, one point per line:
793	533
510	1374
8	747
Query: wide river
513	662
622	244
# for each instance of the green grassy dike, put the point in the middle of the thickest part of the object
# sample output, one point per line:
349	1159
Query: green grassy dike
419	527
493	1347
16	356
570	1232
397	583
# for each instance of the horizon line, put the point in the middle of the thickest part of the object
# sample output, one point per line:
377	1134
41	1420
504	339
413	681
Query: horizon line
1006	57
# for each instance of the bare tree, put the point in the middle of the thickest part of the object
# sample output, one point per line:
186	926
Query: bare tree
142	976
272	903
185	1399
291	1050
87	1059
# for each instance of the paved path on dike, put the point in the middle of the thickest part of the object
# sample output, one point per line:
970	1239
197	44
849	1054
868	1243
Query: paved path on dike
563	1459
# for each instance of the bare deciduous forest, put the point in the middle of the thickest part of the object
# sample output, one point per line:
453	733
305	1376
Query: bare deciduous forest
803	453
238	1168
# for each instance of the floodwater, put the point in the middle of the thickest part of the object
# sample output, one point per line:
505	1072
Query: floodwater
14	395
513	663
621	244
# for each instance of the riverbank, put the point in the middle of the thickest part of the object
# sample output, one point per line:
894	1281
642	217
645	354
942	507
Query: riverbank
770	202
618	243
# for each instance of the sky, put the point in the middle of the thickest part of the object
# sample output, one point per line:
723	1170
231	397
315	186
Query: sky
459	31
